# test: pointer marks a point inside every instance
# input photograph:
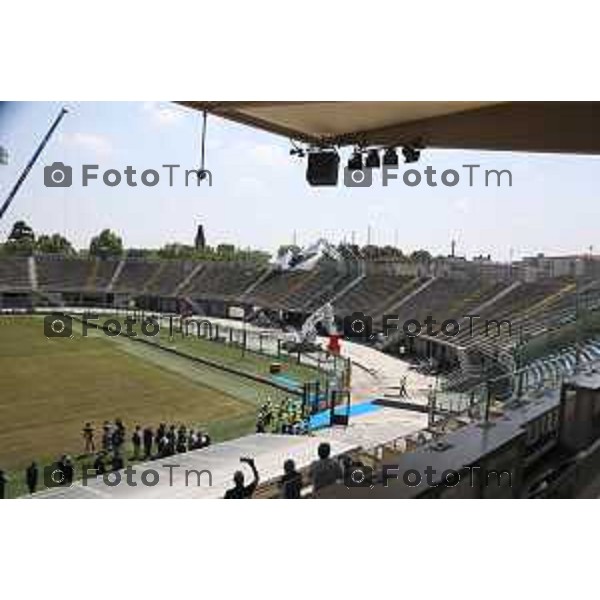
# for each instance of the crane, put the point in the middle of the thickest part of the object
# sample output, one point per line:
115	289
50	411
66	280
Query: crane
305	339
23	176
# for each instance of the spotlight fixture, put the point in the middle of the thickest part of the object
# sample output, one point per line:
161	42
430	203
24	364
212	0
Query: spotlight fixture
355	162
411	154
390	158
373	161
322	167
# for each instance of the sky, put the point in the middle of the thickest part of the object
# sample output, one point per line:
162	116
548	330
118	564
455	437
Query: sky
259	196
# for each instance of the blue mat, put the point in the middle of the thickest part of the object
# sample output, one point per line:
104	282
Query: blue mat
287	381
323	418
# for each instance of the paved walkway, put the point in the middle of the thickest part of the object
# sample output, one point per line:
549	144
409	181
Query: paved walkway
221	460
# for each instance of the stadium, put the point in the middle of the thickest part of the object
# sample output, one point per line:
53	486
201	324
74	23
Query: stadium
386	358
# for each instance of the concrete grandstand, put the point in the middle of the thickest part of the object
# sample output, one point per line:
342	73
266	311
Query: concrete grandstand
506	313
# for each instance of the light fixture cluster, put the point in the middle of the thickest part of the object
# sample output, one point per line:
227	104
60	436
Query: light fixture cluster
323	162
374	160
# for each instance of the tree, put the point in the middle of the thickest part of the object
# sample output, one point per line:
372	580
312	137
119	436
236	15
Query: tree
106	244
181	251
141	253
21	239
226	251
54	244
370	252
21	231
391	252
421	256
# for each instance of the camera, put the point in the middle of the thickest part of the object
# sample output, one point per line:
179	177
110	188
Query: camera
58	175
54	476
358	325
358	476
358	177
58	326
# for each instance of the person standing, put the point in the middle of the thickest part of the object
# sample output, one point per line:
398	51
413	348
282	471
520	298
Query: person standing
136	441
402	391
181	439
192	440
171	440
291	482
240	491
107	437
325	471
31	477
68	470
3	484
88	436
148	438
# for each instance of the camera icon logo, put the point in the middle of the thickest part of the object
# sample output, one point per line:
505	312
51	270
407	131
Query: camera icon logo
358	325
58	326
54	477
358	177
359	476
58	175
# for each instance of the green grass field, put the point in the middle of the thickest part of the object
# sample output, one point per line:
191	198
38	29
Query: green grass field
225	354
50	387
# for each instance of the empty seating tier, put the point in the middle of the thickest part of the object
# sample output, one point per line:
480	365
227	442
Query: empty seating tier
14	274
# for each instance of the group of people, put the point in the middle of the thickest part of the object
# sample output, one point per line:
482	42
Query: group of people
146	442
288	417
167	440
325	471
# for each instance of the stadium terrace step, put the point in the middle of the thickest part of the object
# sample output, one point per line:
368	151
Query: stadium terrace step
14	274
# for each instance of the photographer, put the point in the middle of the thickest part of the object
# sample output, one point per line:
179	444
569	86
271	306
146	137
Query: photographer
241	491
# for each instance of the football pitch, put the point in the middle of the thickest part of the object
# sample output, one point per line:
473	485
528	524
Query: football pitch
49	387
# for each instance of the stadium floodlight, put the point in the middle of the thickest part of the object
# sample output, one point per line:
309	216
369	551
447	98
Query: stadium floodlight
3	156
411	154
355	162
390	158
322	167
373	161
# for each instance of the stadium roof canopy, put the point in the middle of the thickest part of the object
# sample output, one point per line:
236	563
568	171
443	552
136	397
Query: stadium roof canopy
569	127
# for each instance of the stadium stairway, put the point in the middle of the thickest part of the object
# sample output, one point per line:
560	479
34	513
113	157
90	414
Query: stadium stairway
390	304
188	279
154	277
89	283
393	339
347	288
255	284
114	278
32	267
